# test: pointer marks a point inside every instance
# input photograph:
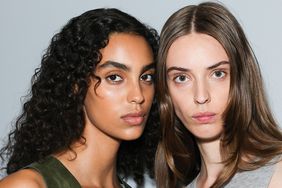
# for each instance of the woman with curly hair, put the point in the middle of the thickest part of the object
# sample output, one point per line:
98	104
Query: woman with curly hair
217	128
82	124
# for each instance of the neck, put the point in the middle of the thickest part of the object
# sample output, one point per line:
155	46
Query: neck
211	162
94	164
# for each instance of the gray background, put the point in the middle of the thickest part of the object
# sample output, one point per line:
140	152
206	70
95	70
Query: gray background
27	27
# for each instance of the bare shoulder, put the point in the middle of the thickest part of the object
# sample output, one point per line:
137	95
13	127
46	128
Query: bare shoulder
26	178
276	180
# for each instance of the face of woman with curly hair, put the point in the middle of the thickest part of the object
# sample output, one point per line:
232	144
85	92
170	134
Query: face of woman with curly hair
119	107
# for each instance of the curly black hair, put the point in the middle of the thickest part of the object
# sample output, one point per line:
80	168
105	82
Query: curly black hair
53	118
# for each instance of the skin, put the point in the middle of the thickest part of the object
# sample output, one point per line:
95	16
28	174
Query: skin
276	178
128	90
117	110
198	71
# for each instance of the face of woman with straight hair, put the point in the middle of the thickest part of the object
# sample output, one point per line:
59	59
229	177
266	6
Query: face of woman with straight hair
198	73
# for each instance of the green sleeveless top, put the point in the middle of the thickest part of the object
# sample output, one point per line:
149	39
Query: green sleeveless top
55	174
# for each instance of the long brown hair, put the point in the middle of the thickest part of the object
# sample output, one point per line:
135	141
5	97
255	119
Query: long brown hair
250	129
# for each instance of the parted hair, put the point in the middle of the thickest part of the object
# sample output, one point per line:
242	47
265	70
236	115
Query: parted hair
249	127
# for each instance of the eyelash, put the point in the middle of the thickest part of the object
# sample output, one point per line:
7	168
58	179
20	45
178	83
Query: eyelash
219	71
186	77
112	78
175	78
151	79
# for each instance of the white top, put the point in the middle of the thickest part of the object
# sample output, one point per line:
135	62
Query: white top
259	178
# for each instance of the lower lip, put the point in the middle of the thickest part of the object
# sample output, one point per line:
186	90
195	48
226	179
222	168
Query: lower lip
133	120
204	119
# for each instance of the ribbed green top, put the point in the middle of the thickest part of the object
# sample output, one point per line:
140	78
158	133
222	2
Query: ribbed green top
56	175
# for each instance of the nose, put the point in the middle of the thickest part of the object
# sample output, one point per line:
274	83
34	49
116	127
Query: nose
135	94
201	95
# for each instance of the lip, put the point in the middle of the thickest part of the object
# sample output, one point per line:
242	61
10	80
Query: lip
135	118
204	117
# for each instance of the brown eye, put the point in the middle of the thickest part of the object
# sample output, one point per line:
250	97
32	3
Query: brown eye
114	78
147	77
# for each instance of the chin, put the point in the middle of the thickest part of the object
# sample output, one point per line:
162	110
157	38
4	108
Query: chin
207	133
208	138
132	135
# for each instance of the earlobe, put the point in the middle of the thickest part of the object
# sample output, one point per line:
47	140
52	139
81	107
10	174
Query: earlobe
75	89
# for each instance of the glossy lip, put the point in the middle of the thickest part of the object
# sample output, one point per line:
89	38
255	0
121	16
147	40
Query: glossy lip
135	118
204	117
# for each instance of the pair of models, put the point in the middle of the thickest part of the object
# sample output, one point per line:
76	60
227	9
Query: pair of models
216	127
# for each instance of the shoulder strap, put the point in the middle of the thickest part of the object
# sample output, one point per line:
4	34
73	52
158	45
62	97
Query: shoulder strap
54	173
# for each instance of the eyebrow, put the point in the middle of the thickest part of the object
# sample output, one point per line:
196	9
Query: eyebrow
218	64
187	70
124	67
148	67
114	64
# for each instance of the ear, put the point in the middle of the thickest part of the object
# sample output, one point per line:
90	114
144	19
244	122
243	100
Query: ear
75	88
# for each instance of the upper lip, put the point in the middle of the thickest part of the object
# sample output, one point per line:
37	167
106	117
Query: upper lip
134	114
203	114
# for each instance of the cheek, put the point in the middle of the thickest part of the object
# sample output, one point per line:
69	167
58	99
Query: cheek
149	94
111	94
181	100
108	101
223	101
147	91
220	97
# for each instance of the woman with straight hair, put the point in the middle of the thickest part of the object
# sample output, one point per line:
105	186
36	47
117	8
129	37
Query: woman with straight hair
83	124
217	127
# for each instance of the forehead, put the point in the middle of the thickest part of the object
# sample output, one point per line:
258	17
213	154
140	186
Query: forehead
127	49
195	49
